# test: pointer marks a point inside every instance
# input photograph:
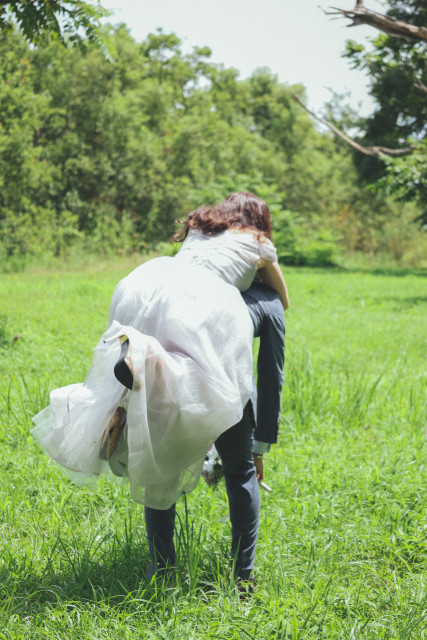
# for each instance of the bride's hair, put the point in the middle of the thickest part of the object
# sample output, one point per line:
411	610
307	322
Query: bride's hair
240	210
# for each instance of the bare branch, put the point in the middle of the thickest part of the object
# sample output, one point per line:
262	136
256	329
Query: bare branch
390	26
419	84
376	151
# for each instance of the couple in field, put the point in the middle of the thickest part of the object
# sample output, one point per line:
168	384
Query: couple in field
173	374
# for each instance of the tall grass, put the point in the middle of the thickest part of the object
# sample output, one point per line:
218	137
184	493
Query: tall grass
343	541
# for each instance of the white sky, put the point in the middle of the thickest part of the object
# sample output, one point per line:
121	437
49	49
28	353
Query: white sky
291	37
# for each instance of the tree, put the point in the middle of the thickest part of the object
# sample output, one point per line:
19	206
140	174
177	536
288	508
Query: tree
397	68
105	154
70	21
396	62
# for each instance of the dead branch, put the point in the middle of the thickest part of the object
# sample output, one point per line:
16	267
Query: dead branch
390	26
420	84
376	151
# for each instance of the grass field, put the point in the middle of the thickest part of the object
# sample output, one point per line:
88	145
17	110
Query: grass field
343	541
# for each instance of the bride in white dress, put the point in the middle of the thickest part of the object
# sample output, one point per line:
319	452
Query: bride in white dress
189	353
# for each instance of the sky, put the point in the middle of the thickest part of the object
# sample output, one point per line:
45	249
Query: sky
292	37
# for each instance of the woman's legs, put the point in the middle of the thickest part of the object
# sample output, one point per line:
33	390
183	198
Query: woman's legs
235	450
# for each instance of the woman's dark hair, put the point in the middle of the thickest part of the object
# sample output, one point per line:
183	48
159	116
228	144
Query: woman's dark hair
240	210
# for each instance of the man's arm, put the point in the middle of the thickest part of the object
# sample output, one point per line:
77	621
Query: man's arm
266	311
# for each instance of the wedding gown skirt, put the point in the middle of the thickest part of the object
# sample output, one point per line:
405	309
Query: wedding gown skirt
190	338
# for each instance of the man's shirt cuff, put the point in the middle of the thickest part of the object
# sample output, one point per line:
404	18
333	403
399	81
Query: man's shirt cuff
260	447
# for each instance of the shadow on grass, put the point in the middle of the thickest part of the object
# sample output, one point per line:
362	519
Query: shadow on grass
394	272
405	301
111	574
109	579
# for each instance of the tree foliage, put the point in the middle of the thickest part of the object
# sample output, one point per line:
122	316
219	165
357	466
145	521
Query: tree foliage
397	69
106	153
66	20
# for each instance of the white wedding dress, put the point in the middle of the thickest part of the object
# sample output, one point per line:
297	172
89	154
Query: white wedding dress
190	338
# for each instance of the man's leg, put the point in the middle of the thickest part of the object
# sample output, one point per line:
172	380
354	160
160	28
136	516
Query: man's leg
160	526
235	449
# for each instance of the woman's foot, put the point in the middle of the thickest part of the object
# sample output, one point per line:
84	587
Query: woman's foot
123	367
112	433
212	467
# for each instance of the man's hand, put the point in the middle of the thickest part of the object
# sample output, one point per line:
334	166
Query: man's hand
259	466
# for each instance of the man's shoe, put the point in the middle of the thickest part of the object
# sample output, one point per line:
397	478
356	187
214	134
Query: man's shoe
245	587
